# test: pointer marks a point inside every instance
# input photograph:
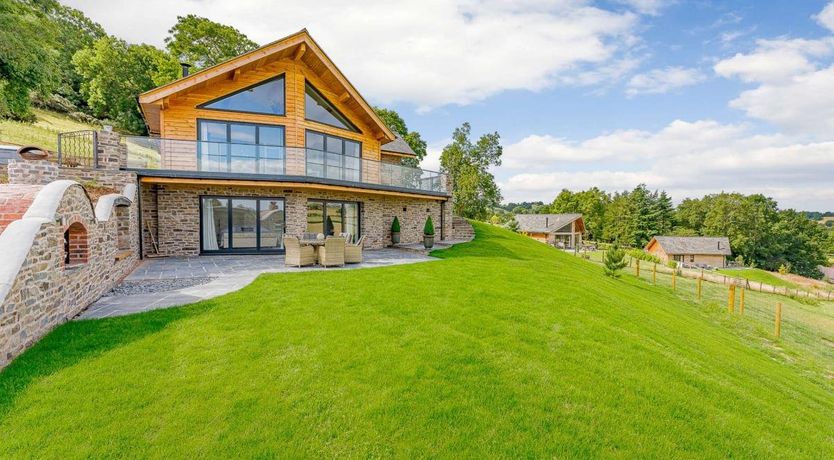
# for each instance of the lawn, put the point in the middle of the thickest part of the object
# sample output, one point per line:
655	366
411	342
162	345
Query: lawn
506	347
43	132
758	275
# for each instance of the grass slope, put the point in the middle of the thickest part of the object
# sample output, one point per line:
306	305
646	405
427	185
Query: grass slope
43	132
758	275
505	348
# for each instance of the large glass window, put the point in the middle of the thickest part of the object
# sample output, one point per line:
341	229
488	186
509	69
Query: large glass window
333	157
333	218
242	224
317	108
265	97
241	147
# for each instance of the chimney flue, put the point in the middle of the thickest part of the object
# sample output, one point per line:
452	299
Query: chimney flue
185	66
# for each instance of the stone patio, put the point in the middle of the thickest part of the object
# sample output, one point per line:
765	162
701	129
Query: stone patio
228	273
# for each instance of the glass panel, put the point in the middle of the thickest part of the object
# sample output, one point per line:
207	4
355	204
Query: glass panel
244	224
319	109
242	134
213	131
315	141
351	223
351	163
266	98
350	174
335	145
315	222
334	172
333	219
314	170
272	224
215	224
269	135
352	149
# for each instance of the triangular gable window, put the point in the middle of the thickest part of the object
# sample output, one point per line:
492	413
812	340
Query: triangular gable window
317	108
265	97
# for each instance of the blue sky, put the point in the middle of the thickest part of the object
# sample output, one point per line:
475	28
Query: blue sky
692	96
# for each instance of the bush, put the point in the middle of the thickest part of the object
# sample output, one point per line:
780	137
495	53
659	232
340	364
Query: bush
614	261
428	229
672	264
395	226
642	255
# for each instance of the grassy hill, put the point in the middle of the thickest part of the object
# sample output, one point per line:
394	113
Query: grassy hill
43	132
505	348
758	275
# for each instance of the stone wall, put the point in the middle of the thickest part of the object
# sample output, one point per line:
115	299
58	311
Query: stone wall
38	288
173	214
32	172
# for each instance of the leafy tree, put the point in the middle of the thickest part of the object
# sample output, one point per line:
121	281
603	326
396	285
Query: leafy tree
412	138
614	261
690	215
590	203
27	58
802	244
748	222
203	43
619	226
512	225
475	191
115	73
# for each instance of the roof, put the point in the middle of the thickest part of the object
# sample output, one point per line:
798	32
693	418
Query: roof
705	245
398	146
299	46
546	223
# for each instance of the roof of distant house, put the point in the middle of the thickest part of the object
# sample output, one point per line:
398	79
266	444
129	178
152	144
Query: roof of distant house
545	223
398	146
705	245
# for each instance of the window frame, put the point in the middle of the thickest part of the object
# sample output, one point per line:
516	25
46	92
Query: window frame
325	152
351	126
256	159
324	202
229	220
283	113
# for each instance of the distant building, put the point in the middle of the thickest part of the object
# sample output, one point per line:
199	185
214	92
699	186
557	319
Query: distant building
694	250
560	230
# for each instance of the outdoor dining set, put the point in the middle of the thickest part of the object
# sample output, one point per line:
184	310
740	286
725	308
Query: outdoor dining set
329	251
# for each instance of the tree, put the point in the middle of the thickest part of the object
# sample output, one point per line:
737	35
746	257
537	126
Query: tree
614	261
802	244
27	58
412	138
590	203
203	43
512	225
475	192
619	224
115	73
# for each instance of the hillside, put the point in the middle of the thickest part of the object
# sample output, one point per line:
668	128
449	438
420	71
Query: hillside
505	348
43	132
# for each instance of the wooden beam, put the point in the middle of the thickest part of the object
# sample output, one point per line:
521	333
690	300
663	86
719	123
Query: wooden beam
235	74
271	184
299	51
344	97
166	103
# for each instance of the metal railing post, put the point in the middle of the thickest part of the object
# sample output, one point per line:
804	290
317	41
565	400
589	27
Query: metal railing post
95	149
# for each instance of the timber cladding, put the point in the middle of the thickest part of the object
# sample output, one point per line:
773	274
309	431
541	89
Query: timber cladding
178	119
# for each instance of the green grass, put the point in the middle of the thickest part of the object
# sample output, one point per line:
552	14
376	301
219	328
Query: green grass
760	276
43	132
506	348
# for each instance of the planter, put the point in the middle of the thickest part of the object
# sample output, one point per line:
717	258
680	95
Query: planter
428	241
395	237
30	152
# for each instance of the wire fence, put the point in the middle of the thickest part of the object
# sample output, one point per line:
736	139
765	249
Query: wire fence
77	149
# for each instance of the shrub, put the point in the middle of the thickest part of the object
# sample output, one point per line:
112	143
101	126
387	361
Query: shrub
642	255
614	261
784	269
672	264
395	226
428	229
513	225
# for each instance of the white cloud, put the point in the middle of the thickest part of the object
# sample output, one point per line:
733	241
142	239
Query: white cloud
427	52
826	17
685	158
775	60
651	7
663	80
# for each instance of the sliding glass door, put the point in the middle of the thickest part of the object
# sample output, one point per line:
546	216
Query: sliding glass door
242	224
333	217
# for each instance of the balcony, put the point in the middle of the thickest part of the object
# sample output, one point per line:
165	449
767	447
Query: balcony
171	157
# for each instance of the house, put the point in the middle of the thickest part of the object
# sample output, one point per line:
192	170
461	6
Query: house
561	230
694	250
275	141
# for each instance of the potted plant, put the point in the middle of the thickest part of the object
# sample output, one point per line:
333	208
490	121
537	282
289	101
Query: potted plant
428	234
395	231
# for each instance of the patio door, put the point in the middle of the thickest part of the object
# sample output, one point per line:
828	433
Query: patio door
333	218
241	224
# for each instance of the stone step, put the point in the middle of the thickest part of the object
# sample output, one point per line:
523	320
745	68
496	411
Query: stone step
462	229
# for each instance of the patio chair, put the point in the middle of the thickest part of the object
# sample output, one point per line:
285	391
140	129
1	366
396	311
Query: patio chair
296	254
353	252
332	254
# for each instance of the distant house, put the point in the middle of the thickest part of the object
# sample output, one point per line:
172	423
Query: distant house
695	250
560	230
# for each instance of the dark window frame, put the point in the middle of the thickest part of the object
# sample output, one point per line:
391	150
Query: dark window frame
325	202
351	126
231	249
325	152
283	113
229	123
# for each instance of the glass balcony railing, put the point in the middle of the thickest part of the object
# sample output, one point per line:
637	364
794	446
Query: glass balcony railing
223	157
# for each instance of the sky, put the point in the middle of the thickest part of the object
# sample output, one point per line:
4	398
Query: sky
689	96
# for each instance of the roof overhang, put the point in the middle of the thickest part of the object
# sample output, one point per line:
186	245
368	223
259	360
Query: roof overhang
299	47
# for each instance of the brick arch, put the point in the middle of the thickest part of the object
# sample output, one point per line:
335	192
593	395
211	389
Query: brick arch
76	244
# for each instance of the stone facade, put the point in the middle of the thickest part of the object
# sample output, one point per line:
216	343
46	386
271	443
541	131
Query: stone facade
37	172
173	214
48	287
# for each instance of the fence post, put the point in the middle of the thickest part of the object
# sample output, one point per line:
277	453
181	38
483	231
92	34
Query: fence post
731	299
741	302
637	268
654	275
95	149
699	286
778	319
59	150
674	276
